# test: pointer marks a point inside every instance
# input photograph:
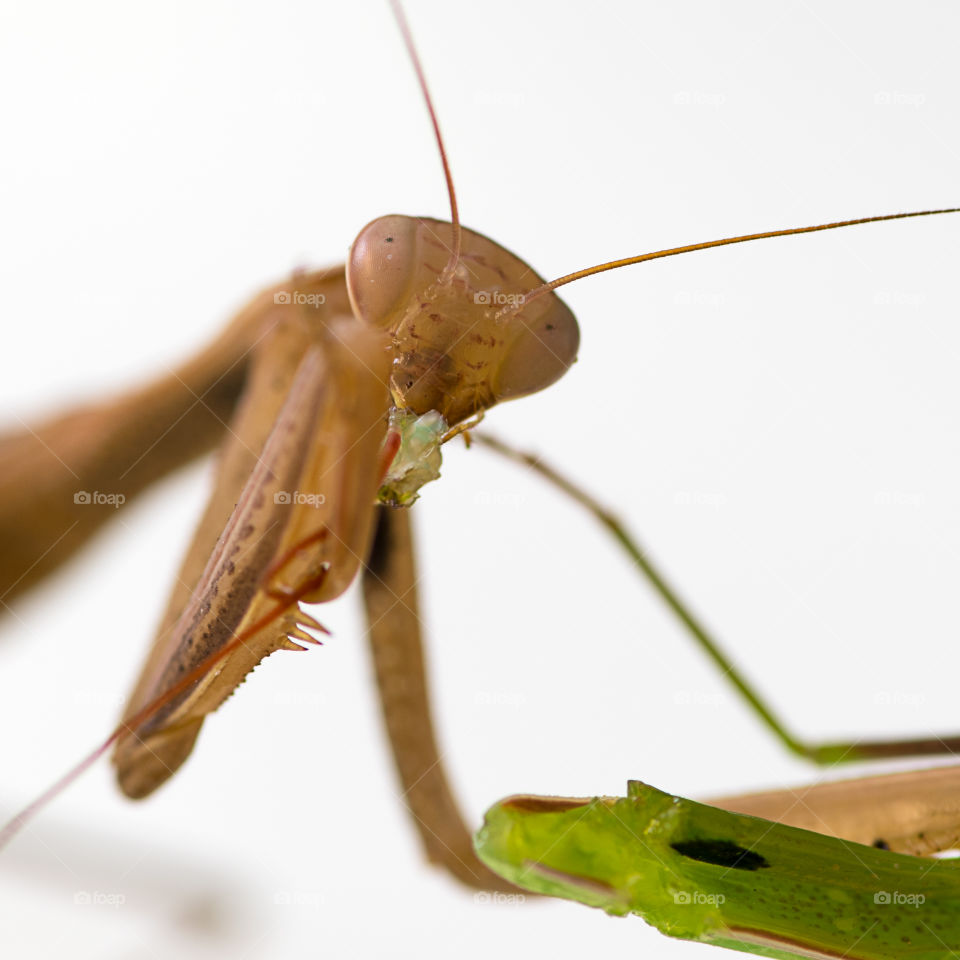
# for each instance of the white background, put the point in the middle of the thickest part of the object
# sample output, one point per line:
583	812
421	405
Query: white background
777	420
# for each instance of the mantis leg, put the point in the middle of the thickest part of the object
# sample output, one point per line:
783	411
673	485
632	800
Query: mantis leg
290	519
916	812
846	751
390	598
50	474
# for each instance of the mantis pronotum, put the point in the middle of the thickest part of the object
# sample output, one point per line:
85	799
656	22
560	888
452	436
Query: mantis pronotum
683	146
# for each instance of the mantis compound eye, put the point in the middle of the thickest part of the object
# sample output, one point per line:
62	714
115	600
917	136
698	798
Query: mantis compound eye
543	348
382	269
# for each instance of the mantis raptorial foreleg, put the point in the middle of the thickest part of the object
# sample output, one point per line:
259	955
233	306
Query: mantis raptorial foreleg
394	634
270	359
294	530
51	473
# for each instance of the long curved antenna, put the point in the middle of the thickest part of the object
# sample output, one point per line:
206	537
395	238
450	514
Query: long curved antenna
673	251
454	212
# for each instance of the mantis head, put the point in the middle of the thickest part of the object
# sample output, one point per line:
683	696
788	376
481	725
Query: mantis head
463	337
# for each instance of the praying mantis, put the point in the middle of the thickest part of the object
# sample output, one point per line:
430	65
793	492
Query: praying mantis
688	520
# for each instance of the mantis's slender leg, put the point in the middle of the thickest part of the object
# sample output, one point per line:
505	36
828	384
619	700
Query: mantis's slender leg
823	753
915	812
390	598
120	446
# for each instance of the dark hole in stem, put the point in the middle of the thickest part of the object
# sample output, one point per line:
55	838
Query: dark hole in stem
721	853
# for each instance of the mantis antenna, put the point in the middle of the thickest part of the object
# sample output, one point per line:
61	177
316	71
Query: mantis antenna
454	212
690	248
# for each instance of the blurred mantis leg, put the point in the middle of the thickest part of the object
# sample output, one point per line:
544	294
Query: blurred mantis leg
390	598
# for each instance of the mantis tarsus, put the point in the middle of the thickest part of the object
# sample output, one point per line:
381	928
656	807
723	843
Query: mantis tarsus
583	437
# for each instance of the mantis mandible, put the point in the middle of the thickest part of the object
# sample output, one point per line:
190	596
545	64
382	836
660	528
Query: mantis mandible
485	693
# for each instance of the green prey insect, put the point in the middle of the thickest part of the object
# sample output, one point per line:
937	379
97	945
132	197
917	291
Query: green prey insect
701	873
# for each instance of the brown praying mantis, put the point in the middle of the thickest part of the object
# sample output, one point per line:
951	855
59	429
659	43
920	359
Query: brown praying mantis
697	499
